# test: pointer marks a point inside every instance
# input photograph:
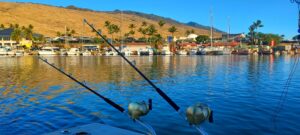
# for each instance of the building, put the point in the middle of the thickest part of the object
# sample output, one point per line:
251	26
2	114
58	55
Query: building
5	38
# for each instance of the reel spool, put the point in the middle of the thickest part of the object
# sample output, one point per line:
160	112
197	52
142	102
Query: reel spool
139	109
199	113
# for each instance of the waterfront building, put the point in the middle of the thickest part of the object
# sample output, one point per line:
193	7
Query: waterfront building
5	38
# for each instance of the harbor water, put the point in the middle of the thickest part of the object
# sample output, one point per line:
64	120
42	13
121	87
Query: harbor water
246	93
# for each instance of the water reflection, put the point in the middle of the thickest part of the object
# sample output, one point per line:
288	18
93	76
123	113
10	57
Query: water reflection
243	90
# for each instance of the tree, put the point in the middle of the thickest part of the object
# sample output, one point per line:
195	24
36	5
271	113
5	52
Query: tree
192	31
16	25
150	30
172	30
106	23
58	34
161	23
72	32
132	27
268	38
143	31
144	24
252	34
157	40
187	32
2	26
202	39
16	35
11	26
30	26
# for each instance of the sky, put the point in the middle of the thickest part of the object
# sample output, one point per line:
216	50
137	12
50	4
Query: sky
278	16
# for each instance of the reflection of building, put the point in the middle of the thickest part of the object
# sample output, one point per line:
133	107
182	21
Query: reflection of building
5	38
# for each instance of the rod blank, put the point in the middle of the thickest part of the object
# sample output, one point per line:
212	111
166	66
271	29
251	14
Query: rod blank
158	90
118	107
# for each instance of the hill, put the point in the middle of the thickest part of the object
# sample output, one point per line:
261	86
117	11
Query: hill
48	20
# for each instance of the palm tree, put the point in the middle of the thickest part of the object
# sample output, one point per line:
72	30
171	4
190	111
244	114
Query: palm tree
257	24
172	30
187	32
16	35
143	31
16	25
144	24
192	31
157	40
28	33
72	32
11	26
161	23
150	30
131	27
106	23
2	26
58	34
30	26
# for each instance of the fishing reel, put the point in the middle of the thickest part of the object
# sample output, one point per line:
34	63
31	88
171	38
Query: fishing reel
199	113
139	109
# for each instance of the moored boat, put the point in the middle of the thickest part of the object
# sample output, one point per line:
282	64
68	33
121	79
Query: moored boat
49	51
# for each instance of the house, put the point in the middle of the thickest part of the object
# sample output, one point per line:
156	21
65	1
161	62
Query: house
5	38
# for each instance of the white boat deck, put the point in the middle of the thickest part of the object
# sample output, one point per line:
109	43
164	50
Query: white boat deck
94	129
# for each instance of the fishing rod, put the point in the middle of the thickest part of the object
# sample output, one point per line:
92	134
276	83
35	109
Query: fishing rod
133	108
201	112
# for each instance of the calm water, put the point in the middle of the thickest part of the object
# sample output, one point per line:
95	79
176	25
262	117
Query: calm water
244	92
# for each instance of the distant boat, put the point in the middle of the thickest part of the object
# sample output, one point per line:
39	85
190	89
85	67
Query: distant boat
193	52
166	51
3	51
227	51
86	53
63	52
205	50
49	51
73	51
182	52
126	52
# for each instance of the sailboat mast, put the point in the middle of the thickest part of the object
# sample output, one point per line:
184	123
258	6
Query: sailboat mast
228	34
211	28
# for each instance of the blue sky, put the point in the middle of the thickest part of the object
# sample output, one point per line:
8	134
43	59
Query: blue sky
278	16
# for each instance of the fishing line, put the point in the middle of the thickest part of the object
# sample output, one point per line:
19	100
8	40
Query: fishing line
284	93
107	100
158	90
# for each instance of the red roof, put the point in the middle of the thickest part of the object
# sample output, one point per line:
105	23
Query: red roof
233	44
188	44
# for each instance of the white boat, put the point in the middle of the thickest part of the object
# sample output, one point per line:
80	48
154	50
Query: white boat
227	51
49	51
73	51
126	52
63	52
11	52
86	53
193	52
166	51
20	53
3	51
95	129
182	52
205	50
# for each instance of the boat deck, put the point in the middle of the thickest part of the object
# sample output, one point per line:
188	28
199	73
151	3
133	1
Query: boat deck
94	129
